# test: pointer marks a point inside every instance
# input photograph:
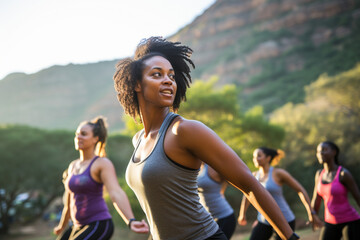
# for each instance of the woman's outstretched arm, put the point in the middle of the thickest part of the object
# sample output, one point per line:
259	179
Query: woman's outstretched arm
205	144
119	197
65	214
243	209
286	178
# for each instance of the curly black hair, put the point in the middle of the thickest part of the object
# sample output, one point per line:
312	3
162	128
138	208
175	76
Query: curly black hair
129	71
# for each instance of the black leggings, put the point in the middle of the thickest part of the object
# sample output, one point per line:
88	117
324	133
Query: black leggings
99	230
349	231
263	232
227	225
219	235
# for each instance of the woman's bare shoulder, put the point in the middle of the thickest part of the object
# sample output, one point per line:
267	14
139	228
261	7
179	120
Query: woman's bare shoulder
183	126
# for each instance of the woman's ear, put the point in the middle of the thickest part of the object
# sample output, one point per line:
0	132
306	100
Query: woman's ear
138	86
96	139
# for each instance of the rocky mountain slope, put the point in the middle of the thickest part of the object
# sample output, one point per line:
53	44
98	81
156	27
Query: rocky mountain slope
271	49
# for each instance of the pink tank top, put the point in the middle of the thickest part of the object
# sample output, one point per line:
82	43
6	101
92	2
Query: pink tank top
337	207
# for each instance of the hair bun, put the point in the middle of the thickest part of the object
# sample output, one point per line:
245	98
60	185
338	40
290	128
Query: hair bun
280	155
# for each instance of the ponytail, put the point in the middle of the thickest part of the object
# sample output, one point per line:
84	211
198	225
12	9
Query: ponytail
275	155
99	127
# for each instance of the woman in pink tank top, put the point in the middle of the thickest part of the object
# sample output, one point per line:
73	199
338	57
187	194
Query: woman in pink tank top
332	184
84	181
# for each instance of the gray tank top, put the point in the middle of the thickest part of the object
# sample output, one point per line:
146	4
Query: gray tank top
276	192
210	196
168	194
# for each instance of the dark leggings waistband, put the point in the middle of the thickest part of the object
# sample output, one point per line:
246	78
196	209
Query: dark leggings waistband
219	235
98	230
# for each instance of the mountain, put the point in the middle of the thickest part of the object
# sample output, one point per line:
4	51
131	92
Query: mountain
61	96
271	49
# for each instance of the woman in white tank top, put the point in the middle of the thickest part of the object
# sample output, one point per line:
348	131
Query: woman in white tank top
272	179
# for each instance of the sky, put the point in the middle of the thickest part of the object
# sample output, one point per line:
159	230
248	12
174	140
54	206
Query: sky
37	34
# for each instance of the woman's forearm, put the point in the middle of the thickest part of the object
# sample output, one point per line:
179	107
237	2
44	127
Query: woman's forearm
65	217
306	202
122	205
243	208
266	205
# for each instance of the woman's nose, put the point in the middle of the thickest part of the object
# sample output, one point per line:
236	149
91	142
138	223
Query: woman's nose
168	80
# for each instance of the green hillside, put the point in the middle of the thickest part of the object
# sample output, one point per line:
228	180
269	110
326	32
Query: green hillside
61	96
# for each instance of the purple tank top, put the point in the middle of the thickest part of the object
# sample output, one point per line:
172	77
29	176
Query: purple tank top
86	202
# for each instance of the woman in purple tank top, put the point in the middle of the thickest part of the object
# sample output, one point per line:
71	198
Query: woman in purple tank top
332	184
83	197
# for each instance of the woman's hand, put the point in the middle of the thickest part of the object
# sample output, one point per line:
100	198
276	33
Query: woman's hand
242	222
57	230
316	222
139	226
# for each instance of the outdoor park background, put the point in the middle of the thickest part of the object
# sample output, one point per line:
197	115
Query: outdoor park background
283	74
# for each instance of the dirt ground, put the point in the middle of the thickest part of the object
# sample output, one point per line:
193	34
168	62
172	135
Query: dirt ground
41	230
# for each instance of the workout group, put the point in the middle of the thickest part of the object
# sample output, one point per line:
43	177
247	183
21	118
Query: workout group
180	168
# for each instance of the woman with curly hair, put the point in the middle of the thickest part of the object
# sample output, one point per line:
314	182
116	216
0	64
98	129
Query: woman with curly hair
273	179
332	184
169	149
84	180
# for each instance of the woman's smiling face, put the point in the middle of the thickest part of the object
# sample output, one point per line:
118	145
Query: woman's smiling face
158	84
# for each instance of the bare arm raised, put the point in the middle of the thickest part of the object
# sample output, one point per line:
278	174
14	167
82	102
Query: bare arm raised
187	141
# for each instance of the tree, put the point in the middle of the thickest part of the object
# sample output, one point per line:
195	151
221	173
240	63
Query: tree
331	112
32	162
219	109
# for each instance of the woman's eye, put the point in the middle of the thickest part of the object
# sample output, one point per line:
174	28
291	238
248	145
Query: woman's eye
157	74
172	76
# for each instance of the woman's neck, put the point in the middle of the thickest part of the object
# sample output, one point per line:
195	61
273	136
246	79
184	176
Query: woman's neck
86	155
263	170
152	120
331	166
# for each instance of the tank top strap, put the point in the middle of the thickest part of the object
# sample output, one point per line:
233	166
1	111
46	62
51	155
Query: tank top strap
91	163
321	174
270	177
338	173
168	119
139	138
206	169
257	175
